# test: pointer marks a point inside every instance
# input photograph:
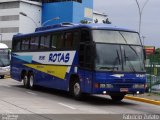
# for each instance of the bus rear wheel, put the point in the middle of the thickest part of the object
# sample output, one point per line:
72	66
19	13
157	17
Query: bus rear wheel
25	81
75	89
31	81
117	98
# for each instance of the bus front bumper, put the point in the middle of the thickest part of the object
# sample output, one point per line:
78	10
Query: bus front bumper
118	90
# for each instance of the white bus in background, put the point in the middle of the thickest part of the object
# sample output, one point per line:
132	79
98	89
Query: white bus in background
4	60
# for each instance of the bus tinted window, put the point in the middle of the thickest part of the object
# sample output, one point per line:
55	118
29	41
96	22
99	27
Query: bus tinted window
34	43
53	41
85	37
68	40
17	45
57	41
76	39
45	42
25	44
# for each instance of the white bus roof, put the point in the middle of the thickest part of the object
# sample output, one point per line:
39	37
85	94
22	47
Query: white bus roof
2	46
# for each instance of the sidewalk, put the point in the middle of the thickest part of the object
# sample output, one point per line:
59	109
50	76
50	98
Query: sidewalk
151	98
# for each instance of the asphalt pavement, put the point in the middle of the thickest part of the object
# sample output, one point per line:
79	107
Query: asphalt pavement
46	104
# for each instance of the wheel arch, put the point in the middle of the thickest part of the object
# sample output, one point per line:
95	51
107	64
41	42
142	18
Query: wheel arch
73	77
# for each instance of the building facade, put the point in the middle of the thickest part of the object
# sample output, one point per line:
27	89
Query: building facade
23	16
67	11
13	22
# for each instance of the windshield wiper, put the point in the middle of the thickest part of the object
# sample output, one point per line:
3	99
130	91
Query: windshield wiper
130	64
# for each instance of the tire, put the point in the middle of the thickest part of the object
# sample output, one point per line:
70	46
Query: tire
31	81
25	81
2	76
117	98
76	90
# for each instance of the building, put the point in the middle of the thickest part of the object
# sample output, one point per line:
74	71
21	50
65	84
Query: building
66	10
23	16
18	16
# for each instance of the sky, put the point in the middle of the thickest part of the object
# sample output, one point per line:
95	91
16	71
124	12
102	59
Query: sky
124	13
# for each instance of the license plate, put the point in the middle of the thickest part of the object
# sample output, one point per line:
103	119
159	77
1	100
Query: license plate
123	89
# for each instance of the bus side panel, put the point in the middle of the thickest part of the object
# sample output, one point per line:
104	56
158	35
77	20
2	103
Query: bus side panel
16	68
86	80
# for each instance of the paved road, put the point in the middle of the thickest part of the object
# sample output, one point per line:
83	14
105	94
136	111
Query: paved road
15	99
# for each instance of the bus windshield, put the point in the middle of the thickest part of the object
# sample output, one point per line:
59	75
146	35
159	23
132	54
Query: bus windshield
116	37
4	57
123	52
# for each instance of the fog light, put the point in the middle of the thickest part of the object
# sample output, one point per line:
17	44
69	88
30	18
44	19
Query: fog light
137	92
104	92
138	86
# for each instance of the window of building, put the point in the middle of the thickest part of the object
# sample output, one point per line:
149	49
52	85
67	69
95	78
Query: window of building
9	18
9	5
9	30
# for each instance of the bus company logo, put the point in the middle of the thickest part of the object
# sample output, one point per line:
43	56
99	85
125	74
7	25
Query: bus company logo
59	57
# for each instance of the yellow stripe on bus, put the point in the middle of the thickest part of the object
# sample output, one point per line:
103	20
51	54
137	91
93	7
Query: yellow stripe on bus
57	71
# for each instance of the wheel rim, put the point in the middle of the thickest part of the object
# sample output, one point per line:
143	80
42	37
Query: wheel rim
76	89
31	81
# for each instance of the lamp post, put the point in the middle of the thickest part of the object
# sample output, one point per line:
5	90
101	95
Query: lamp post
140	10
24	14
56	18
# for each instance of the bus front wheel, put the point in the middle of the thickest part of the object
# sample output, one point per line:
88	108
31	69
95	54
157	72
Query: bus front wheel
76	89
117	98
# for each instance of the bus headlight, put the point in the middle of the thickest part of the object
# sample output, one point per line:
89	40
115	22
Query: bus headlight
138	86
106	86
109	86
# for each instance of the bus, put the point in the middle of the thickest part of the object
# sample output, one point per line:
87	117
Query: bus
81	58
4	60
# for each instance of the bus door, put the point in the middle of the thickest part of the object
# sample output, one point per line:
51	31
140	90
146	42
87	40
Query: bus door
85	61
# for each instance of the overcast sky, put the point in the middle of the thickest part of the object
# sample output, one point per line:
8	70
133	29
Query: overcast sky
124	13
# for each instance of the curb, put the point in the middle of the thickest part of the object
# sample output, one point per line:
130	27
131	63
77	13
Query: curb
155	102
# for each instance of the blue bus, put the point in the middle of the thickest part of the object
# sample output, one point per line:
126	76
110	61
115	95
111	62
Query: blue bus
80	58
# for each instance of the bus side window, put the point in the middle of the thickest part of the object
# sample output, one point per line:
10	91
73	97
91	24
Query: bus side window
53	41
45	42
34	43
60	41
68	40
17	45
76	39
85	37
25	44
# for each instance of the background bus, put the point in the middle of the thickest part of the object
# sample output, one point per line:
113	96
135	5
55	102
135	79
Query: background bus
93	59
4	60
